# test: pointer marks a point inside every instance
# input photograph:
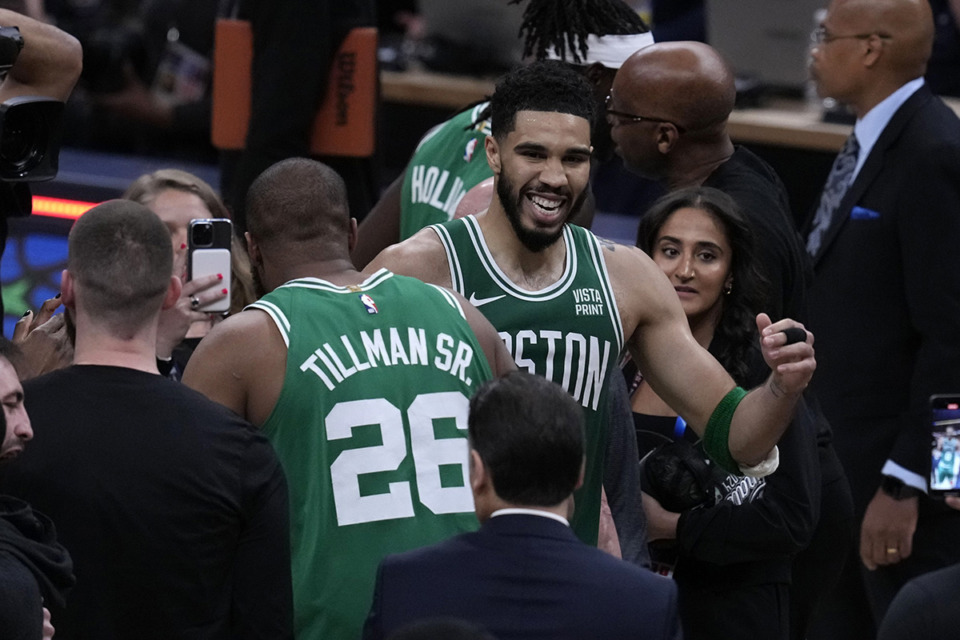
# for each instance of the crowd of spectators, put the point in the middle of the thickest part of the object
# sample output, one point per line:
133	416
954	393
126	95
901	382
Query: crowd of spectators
471	416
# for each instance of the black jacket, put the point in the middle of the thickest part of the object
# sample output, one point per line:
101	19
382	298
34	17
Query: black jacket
34	568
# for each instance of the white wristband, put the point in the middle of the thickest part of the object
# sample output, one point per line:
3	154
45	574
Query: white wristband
764	467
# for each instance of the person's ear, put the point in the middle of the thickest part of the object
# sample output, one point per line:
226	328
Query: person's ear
67	293
492	148
352	238
253	249
873	50
583	471
479	478
173	292
667	137
602	80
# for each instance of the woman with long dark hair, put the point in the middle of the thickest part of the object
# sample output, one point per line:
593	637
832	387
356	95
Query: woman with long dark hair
728	540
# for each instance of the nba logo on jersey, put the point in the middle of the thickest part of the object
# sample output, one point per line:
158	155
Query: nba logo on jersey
368	303
468	151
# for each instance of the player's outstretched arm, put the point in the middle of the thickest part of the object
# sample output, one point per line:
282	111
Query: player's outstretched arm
689	379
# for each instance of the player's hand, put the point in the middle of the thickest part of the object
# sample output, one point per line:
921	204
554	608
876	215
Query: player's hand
792	363
886	535
176	321
661	524
953	501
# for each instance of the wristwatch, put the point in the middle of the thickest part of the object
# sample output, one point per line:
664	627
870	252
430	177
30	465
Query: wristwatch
897	488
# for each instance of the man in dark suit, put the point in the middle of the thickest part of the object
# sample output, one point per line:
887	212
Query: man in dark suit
524	574
885	302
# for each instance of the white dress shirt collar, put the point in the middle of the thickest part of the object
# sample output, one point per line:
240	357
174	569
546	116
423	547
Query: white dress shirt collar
514	511
869	127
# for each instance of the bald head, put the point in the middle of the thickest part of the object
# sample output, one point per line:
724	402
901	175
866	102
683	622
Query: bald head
299	206
871	48
908	25
688	83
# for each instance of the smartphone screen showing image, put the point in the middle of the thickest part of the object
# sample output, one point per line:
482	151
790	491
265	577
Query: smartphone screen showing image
945	445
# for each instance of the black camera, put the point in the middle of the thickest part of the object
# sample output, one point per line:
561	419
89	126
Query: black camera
29	125
29	139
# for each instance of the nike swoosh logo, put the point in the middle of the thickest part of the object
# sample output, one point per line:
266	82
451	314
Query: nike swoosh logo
479	302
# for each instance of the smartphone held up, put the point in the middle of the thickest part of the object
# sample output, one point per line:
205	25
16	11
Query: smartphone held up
208	253
945	445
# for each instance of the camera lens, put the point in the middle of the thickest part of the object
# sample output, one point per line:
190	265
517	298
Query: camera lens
202	234
22	141
29	138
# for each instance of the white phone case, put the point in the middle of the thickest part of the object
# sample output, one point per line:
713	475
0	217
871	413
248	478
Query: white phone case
211	262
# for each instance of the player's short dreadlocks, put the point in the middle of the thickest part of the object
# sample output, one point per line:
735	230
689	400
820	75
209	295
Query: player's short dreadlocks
565	25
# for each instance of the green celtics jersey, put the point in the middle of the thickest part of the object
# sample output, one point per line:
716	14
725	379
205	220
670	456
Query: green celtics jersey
569	332
449	161
371	429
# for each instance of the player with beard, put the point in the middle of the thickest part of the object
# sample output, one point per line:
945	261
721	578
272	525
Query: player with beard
566	303
512	199
593	37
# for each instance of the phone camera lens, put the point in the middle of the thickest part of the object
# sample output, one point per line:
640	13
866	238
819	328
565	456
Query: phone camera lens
203	234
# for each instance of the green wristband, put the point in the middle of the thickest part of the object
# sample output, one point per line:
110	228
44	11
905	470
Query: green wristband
716	437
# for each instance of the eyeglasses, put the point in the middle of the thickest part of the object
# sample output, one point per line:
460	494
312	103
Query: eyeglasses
820	35
631	118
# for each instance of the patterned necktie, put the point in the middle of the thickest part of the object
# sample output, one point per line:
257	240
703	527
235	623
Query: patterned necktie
833	191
